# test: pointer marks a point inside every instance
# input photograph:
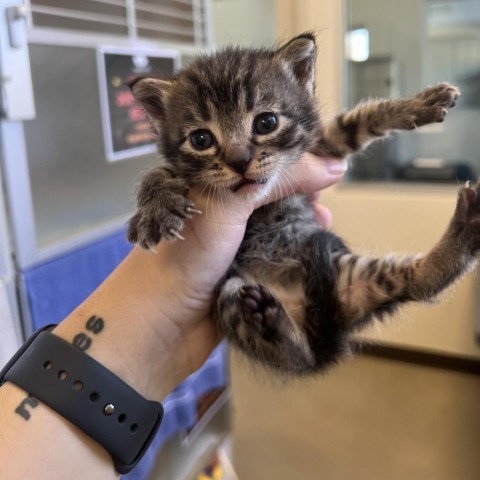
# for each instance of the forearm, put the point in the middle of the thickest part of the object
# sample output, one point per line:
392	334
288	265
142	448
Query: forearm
46	446
122	327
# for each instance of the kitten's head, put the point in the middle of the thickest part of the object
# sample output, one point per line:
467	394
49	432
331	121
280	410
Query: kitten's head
235	119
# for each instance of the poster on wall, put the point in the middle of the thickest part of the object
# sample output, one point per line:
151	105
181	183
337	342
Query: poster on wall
126	130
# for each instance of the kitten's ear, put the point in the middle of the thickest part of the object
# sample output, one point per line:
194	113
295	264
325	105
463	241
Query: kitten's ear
151	94
300	55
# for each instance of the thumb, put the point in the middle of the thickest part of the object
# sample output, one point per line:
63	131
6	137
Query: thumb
309	174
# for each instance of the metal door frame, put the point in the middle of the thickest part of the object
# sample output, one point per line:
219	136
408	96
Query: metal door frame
7	269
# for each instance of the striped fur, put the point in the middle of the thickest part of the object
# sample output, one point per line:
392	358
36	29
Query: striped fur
294	292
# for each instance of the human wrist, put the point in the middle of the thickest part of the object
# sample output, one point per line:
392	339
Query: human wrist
122	327
121	353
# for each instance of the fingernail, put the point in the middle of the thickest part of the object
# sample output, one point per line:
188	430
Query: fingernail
336	167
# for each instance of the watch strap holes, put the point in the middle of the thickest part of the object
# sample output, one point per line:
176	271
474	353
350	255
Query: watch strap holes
47	365
133	428
77	385
94	397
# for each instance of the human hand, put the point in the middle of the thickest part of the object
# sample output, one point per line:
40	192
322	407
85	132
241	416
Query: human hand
213	238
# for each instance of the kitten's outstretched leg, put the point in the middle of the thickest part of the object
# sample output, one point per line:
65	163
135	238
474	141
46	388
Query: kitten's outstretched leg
368	286
254	320
162	208
370	120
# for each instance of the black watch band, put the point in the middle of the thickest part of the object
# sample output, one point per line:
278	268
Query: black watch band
87	394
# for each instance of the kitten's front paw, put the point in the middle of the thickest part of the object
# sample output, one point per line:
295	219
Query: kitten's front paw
154	222
432	104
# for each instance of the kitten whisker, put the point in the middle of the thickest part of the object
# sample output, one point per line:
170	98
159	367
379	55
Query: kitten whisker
218	193
279	197
224	199
203	189
276	187
283	172
281	184
208	198
228	198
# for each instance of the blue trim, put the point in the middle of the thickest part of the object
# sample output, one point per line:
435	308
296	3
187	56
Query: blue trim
57	287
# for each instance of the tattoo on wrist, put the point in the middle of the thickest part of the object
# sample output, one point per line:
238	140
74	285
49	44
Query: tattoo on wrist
83	341
22	408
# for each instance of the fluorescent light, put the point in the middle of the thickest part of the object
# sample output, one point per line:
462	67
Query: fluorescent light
357	45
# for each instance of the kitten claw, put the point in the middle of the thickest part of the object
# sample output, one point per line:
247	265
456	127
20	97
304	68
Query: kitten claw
176	234
193	210
152	249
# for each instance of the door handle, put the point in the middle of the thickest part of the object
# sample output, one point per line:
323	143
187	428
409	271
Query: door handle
16	92
3	97
16	21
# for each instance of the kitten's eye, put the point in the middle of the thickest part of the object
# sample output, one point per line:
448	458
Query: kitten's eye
265	123
201	139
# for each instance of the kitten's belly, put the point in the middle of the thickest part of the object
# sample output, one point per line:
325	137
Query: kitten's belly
275	250
273	246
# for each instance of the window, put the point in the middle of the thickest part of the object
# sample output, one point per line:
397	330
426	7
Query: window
412	44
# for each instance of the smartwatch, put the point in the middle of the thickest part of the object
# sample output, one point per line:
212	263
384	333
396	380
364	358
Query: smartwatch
87	394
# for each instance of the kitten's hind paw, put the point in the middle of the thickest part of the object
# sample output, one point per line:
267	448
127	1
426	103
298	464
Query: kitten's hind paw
264	309
255	321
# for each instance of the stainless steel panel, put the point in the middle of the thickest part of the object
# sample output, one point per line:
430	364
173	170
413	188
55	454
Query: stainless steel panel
5	259
10	327
74	188
11	333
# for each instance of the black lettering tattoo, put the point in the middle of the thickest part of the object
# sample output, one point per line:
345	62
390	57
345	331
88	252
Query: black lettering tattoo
82	341
22	408
95	324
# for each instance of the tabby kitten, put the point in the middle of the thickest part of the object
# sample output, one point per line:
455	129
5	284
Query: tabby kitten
232	121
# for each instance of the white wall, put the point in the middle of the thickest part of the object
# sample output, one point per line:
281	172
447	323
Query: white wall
397	29
243	22
325	18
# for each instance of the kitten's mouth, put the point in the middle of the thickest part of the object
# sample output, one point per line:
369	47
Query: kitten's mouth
245	182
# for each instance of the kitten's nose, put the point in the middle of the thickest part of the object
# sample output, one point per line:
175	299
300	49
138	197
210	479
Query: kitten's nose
238	159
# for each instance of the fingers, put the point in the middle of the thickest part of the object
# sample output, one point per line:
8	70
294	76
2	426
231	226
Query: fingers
313	173
310	174
323	214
